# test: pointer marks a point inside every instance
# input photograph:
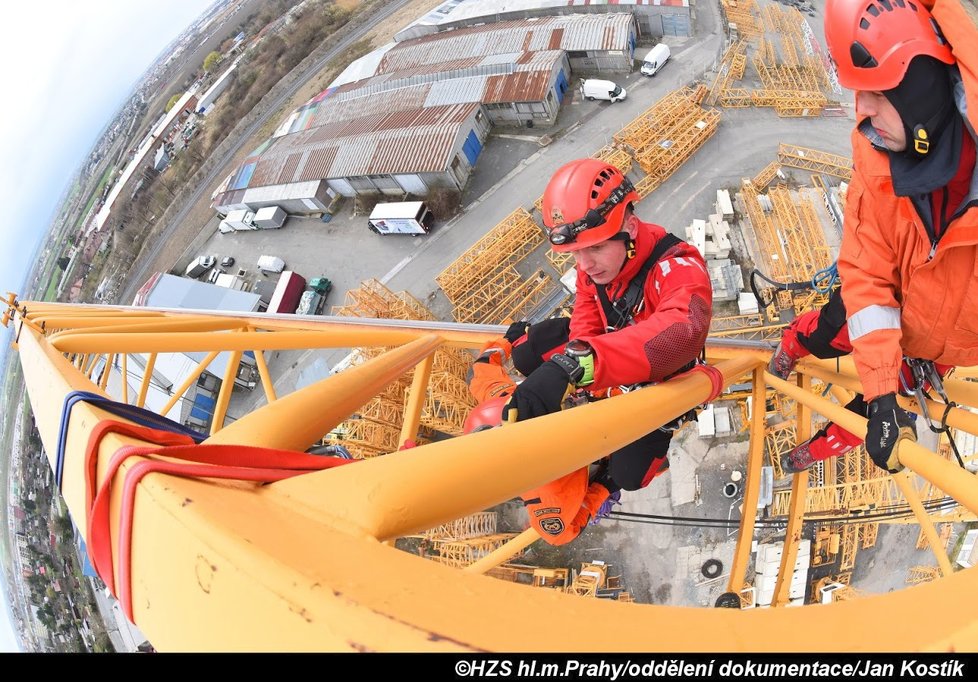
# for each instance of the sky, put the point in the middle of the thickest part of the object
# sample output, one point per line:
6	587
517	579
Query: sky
69	67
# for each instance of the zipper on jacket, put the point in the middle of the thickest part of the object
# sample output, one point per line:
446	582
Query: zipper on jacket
925	208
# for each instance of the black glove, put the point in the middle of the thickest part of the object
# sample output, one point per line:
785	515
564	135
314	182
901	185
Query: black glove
540	393
516	330
888	425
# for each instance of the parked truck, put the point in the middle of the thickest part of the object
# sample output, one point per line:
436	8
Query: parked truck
401	217
288	291
313	299
311	303
238	221
270	218
198	266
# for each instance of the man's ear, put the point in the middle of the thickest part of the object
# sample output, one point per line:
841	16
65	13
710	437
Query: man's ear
631	224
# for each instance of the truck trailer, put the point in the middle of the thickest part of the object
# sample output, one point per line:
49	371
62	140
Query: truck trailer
270	218
198	266
238	221
288	291
401	217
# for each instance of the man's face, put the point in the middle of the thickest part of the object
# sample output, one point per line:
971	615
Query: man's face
603	261
883	116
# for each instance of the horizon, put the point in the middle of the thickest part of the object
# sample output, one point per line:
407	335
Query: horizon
84	68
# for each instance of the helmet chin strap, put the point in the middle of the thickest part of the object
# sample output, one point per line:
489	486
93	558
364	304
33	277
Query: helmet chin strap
630	251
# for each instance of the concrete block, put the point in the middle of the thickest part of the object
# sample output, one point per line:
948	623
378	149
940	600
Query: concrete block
746	303
724	205
722	418
705	423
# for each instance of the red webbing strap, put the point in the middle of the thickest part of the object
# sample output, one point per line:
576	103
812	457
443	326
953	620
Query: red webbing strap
715	376
107	426
235	462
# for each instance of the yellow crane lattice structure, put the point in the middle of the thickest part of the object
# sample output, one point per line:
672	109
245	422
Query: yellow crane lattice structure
740	13
648	125
255	563
765	176
475	525
815	161
923	574
504	245
462	553
731	70
675	145
616	156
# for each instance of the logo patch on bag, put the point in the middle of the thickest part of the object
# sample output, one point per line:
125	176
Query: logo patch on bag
553	526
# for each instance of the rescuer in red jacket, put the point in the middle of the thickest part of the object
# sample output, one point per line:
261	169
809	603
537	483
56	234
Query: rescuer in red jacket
642	310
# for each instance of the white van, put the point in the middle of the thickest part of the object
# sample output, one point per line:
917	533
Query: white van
593	88
655	59
270	264
400	217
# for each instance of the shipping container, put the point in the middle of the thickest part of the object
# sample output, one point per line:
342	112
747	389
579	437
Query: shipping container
288	291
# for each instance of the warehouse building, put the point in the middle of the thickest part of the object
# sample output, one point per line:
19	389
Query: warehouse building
415	115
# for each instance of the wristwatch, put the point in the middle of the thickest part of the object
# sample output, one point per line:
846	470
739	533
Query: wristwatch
580	365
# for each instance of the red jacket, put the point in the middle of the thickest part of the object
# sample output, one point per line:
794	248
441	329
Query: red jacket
901	299
670	329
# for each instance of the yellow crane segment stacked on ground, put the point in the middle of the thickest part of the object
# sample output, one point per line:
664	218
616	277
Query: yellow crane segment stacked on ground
786	58
483	283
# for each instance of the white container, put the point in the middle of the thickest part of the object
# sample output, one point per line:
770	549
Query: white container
400	217
270	218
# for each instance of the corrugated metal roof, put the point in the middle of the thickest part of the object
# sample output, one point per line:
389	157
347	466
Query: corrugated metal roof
266	172
415	141
379	85
459	10
571	32
344	110
414	152
455	82
317	164
531	86
287	174
457	90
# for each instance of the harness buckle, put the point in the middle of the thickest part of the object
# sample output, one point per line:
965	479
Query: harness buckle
925	376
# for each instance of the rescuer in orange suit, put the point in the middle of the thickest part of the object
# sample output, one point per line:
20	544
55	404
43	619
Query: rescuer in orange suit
910	235
561	509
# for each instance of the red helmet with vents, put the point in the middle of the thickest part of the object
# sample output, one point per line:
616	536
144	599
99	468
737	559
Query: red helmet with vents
584	204
873	42
486	415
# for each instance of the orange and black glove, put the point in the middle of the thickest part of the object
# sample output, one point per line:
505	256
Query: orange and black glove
888	425
516	331
543	392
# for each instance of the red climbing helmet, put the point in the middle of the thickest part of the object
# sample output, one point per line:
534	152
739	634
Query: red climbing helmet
584	204
486	415
873	41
